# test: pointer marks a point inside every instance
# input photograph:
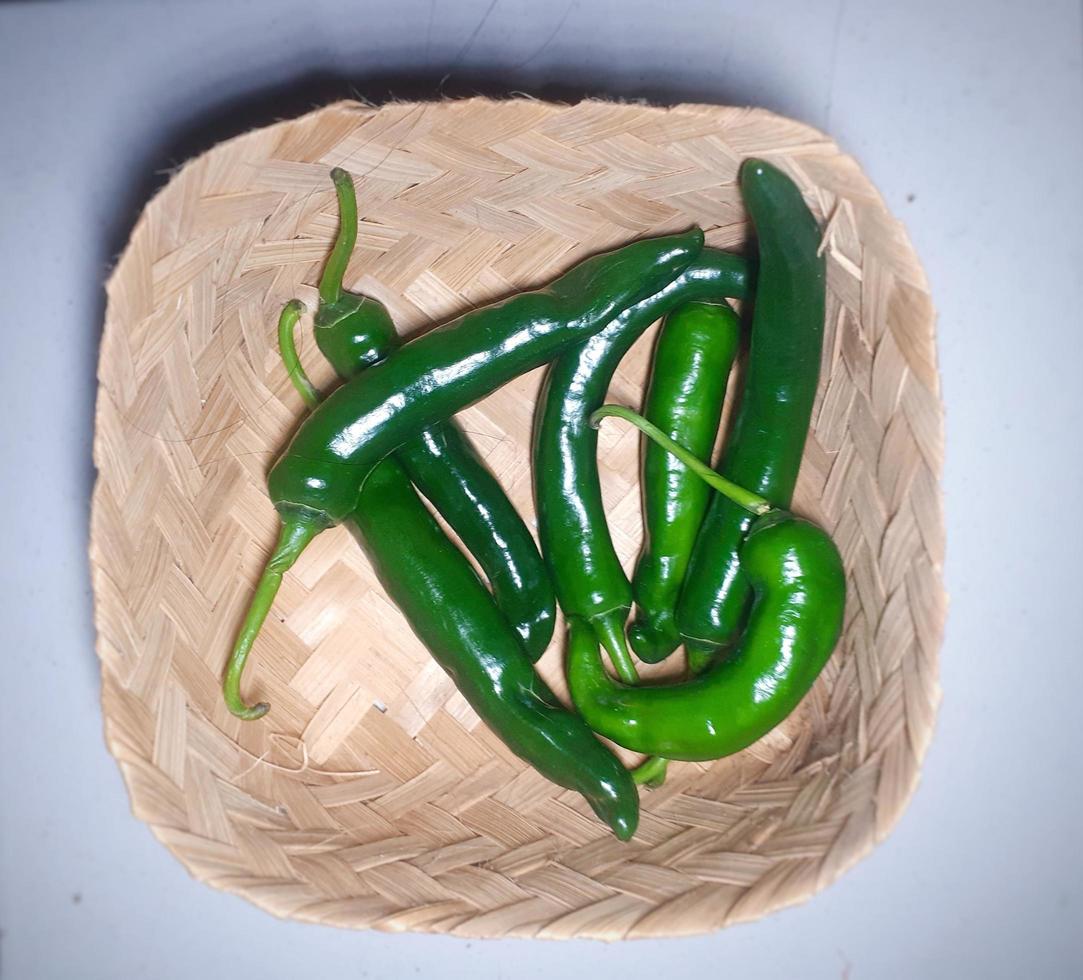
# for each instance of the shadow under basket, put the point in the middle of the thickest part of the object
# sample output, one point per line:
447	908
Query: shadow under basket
371	796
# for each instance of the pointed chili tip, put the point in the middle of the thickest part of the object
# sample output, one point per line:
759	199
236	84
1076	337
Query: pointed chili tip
624	828
338	174
754	167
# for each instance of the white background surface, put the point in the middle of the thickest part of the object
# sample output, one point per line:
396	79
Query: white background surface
969	118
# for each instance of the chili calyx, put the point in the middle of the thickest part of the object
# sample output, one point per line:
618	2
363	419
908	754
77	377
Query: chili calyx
352	331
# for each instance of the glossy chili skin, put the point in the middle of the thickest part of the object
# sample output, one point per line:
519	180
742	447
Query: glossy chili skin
316	481
692	360
763	453
446	469
586	572
454	615
799	589
353	333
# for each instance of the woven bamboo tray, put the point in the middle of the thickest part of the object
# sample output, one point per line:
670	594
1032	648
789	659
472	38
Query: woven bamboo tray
371	795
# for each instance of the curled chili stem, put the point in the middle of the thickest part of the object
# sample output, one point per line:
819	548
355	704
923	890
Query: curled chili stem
651	773
287	323
739	495
295	536
335	269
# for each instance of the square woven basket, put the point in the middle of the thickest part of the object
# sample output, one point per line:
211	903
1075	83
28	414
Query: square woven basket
371	795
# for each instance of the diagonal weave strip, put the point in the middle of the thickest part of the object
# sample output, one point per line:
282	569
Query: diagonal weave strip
371	796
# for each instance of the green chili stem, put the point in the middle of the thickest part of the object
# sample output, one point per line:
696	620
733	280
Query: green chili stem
291	313
610	632
294	538
335	270
651	773
743	498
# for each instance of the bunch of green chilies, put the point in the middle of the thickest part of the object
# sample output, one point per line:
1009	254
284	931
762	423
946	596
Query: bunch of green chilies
754	593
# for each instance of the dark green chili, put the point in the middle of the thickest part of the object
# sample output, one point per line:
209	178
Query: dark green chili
692	360
768	437
450	611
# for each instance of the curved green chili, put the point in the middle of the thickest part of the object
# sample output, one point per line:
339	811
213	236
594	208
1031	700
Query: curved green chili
768	437
453	614
692	359
799	588
451	367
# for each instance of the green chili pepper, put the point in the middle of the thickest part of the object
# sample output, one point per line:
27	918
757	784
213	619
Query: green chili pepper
768	437
451	612
354	333
692	360
798	584
445	468
316	482
587	574
453	615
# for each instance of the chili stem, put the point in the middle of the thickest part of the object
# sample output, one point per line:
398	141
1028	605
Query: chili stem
743	498
651	773
610	633
287	322
335	270
294	538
